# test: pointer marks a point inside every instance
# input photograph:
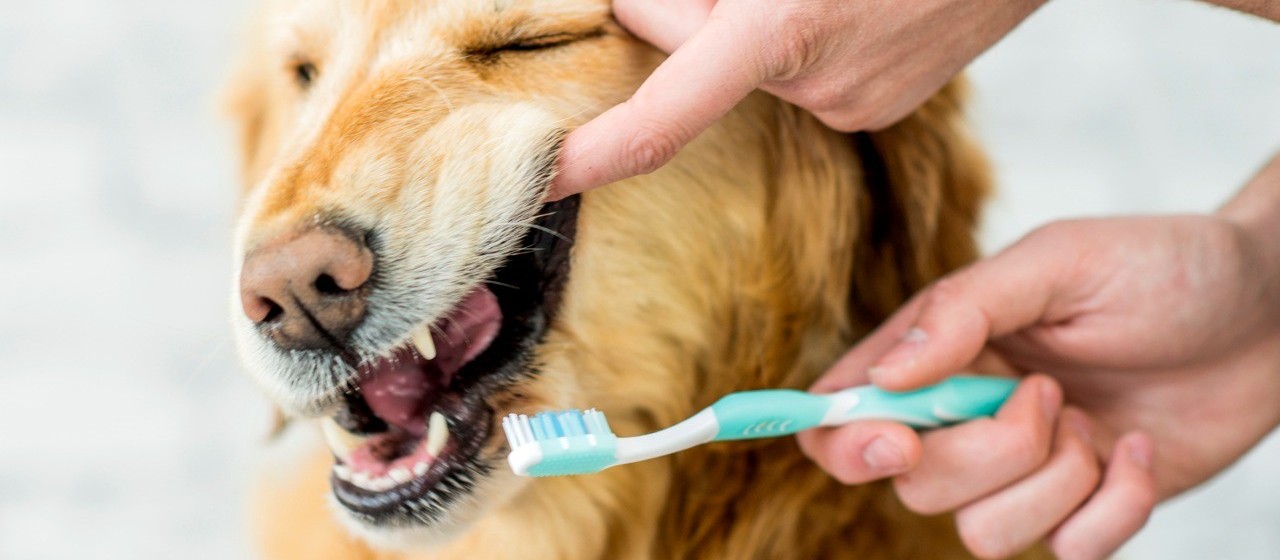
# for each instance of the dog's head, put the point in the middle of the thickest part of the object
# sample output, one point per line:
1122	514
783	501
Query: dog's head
397	270
401	281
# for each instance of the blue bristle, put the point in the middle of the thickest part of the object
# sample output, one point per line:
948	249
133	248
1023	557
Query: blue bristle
573	423
538	434
549	428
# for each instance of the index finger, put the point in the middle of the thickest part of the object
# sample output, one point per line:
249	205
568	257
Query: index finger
961	313
699	83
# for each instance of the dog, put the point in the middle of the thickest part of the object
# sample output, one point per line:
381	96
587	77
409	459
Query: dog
402	283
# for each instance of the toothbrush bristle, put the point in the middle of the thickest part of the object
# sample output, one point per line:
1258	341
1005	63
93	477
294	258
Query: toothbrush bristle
521	429
568	442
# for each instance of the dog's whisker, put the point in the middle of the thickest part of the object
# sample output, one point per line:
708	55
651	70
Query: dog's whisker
432	84
502	284
220	345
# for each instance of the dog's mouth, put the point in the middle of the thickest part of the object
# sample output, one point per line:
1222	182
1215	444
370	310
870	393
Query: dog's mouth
408	436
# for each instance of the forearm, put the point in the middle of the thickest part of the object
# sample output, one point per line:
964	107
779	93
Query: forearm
1269	9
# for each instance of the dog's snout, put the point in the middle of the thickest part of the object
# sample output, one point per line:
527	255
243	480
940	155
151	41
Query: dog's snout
307	290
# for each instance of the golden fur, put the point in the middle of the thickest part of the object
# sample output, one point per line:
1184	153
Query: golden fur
759	255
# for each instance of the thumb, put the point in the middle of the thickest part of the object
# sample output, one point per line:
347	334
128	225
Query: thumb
958	315
699	83
665	24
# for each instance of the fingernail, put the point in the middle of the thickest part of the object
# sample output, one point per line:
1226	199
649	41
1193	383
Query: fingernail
902	353
1141	451
1051	398
884	457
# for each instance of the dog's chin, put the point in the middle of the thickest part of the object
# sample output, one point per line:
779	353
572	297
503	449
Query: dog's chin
417	456
413	535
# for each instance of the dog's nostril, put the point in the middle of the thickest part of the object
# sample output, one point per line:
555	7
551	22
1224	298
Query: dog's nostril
307	287
274	311
326	285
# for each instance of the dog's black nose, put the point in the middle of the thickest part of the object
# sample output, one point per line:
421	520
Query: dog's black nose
308	289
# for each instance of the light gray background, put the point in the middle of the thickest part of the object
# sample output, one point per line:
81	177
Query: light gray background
126	429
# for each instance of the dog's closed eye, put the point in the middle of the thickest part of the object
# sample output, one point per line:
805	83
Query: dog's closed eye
490	53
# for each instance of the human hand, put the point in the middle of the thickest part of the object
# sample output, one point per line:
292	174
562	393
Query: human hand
1164	334
854	65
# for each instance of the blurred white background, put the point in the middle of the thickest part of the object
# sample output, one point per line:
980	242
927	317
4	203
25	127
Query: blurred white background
126	428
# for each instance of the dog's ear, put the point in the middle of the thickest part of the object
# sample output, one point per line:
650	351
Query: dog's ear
246	99
926	181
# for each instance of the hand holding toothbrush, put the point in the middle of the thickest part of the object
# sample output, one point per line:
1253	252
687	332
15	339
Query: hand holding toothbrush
1163	334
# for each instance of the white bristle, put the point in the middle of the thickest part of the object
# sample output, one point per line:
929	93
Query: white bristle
513	438
526	429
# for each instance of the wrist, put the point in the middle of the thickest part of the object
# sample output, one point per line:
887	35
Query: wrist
1262	244
1255	213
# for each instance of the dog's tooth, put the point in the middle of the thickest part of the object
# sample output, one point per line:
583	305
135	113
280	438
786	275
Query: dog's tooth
343	472
360	479
340	440
423	342
420	469
437	433
400	475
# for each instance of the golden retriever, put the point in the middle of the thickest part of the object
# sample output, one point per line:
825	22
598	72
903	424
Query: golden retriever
401	282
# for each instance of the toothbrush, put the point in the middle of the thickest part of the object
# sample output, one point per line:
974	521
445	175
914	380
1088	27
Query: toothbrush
575	442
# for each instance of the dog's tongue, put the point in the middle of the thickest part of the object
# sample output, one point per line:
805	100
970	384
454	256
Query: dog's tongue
400	390
468	330
397	388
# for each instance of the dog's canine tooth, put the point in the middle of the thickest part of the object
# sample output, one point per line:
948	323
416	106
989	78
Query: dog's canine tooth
423	342
343	472
437	433
340	440
420	468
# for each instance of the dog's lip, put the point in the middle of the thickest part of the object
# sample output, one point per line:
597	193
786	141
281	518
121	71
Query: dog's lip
451	462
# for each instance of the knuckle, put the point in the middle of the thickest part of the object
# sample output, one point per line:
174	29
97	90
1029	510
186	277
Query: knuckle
846	476
1139	501
983	546
1081	460
1054	233
948	289
797	35
915	499
1065	548
1026	447
823	96
827	457
951	295
648	149
842	120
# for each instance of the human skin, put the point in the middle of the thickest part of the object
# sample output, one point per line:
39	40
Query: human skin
1162	335
854	65
1158	333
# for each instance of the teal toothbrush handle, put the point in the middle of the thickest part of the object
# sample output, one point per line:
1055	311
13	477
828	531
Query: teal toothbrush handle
779	412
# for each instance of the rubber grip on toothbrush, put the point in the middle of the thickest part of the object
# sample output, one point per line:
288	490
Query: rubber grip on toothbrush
959	398
779	412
